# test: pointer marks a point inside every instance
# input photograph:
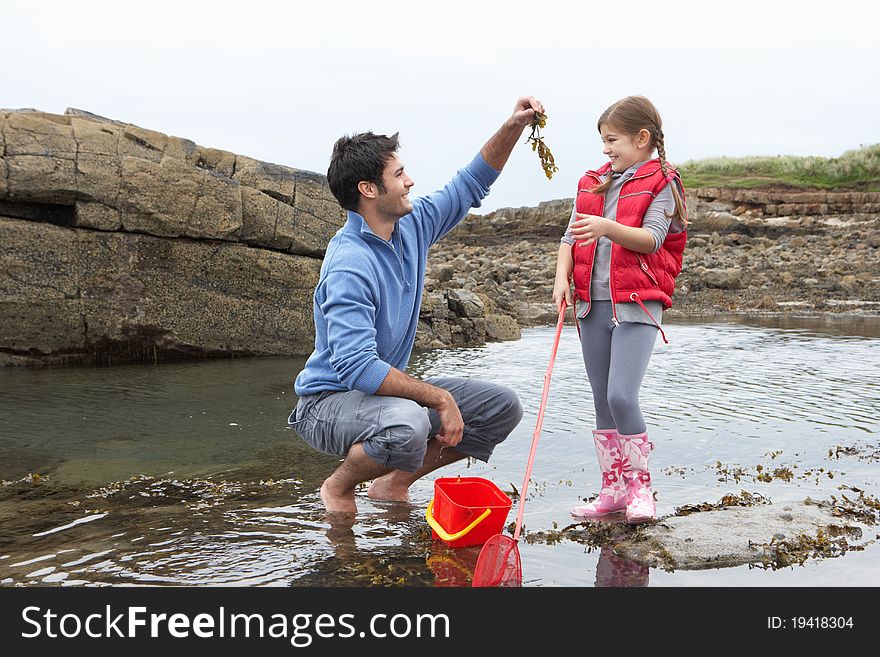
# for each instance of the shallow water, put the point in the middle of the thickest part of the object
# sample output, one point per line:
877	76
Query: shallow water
185	473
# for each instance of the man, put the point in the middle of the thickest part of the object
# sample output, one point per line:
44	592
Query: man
355	400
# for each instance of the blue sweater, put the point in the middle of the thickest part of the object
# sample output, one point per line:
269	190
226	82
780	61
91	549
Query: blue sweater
366	304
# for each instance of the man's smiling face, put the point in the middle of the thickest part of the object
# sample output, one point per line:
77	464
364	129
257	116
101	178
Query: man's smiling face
394	201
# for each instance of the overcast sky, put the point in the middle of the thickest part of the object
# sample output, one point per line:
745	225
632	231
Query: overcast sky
280	81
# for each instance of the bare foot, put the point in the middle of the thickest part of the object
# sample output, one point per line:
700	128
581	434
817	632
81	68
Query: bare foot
337	502
385	489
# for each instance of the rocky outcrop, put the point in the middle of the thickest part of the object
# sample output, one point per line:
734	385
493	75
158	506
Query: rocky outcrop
735	532
734	536
459	318
749	251
71	295
126	243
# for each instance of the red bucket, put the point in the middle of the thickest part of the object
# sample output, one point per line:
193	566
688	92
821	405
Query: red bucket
466	510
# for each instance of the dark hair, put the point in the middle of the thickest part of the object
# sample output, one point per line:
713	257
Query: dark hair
361	157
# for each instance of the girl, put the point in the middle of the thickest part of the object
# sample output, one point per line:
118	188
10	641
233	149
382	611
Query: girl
622	251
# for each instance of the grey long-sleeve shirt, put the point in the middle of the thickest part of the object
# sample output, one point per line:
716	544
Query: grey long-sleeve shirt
655	222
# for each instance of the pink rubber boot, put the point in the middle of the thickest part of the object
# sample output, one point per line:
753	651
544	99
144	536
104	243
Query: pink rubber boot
612	497
640	505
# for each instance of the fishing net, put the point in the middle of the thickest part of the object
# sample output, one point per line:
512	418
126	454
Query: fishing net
499	563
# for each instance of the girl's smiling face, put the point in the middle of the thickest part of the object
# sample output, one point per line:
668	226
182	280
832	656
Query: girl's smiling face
625	150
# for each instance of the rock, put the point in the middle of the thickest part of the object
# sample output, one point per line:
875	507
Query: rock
850	283
444	272
725	279
718	222
536	314
172	199
122	243
426	338
259	216
41	179
459	264
767	303
502	327
123	177
433	330
465	304
73	295
505	272
97	215
731	536
467	332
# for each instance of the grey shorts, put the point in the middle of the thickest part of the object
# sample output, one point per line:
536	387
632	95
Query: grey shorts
394	431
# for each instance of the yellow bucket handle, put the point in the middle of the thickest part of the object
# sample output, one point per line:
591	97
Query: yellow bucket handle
429	516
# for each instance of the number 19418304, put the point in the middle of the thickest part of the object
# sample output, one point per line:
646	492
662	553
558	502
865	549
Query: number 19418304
810	622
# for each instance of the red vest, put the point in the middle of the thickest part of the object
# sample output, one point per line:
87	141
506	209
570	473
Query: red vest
643	276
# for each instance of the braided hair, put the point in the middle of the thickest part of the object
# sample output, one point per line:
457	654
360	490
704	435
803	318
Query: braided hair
679	211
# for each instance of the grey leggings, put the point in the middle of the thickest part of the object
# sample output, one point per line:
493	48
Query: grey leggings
616	358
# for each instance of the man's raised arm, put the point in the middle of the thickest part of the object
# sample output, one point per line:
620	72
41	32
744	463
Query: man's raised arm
500	145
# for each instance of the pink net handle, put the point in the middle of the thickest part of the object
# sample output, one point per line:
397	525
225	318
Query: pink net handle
537	434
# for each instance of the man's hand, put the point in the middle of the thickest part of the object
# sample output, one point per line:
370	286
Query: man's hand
498	148
524	110
589	227
451	422
400	384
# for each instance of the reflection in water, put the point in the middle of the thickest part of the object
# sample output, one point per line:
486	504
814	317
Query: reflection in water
340	533
456	566
186	474
453	566
613	570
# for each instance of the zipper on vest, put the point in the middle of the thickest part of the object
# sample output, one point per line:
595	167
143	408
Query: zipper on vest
595	245
611	286
611	259
644	266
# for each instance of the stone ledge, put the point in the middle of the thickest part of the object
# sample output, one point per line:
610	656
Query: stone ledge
121	177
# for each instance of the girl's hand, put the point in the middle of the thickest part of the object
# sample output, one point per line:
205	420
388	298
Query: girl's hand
589	227
561	292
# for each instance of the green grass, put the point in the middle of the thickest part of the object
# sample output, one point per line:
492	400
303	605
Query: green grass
854	170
